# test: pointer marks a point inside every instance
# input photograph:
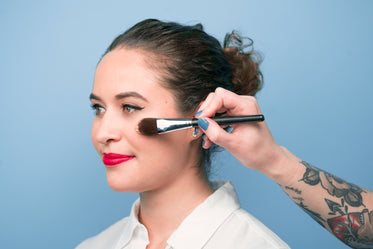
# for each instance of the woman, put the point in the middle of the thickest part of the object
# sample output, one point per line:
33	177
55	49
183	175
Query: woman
158	69
166	70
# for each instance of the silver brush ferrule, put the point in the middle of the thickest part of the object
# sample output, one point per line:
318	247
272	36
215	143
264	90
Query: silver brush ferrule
167	125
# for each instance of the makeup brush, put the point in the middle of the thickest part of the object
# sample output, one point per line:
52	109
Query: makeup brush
153	126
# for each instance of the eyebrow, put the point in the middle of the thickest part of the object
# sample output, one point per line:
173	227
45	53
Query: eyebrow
92	96
130	94
120	96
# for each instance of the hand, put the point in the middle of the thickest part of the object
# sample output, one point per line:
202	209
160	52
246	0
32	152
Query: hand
251	143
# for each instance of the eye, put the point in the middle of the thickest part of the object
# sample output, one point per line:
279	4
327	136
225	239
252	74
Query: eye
131	108
98	109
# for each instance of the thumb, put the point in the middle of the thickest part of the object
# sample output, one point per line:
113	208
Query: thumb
214	133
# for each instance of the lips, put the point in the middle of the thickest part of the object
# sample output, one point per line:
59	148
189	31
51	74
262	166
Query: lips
112	159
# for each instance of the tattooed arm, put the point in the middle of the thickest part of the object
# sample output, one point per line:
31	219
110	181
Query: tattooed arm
343	208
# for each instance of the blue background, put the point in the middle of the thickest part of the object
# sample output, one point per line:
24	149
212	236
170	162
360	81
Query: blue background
316	99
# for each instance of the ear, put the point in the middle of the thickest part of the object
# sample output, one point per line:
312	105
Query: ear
196	133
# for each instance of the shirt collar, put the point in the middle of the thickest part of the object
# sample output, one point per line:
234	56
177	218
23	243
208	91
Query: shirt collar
200	225
133	227
197	228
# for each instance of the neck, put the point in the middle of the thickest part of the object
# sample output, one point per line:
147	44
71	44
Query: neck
163	210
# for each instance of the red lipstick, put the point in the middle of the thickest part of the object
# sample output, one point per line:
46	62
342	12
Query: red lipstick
112	159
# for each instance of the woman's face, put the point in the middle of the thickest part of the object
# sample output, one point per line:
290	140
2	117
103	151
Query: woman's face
125	91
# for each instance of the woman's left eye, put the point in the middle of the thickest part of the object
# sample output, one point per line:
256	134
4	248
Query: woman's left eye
131	108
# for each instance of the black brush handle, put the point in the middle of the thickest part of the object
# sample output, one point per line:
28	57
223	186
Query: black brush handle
235	119
238	119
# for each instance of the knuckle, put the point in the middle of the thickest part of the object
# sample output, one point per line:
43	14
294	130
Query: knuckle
251	99
210	95
251	103
220	90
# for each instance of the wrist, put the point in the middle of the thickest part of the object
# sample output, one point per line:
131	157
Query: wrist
284	167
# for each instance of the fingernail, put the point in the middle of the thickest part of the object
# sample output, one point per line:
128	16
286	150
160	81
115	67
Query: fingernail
203	123
198	113
228	129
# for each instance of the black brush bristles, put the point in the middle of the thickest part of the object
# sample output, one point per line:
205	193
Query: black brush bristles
148	127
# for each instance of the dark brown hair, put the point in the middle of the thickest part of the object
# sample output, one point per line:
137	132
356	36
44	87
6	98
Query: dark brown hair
193	63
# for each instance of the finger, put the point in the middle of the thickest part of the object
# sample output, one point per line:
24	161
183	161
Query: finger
206	102
209	99
215	133
206	142
212	105
224	100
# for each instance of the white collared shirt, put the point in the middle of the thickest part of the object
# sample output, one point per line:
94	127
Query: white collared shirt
217	223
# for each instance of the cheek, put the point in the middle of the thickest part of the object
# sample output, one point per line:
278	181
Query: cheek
163	148
94	130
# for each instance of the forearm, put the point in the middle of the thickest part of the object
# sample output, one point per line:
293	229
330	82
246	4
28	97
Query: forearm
344	209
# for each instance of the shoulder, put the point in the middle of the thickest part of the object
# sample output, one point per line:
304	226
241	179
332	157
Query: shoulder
249	232
106	238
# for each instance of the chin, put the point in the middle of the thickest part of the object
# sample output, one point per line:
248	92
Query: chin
123	188
125	185
120	184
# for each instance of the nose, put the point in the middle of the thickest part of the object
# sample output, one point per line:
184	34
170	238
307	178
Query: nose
106	130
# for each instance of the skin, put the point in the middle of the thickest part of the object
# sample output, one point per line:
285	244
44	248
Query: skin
344	209
164	169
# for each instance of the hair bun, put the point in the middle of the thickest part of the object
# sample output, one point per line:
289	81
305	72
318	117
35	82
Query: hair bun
246	76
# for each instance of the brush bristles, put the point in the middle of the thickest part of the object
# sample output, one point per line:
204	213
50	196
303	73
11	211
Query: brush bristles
148	127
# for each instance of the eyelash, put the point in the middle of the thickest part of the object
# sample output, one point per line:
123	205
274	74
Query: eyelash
96	108
125	107
134	107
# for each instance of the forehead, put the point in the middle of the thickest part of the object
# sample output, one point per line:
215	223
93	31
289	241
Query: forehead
123	70
123	64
